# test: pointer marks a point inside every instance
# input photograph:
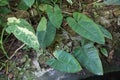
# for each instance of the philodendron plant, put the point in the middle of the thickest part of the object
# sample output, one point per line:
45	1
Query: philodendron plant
87	55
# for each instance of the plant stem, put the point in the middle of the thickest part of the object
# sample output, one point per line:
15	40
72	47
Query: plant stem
68	13
1	41
17	51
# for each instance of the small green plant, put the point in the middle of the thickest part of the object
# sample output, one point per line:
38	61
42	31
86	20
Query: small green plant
42	37
87	55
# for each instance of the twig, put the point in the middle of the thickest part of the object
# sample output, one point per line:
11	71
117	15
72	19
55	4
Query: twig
65	12
16	51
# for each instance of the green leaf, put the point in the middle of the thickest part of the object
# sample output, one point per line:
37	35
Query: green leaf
43	7
70	2
45	33
104	52
29	2
20	22
85	27
23	31
112	2
88	56
81	17
64	61
22	5
45	1
3	2
55	15
84	41
4	10
106	33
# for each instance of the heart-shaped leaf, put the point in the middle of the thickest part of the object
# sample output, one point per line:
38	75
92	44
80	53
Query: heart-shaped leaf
88	56
64	61
85	27
45	33
23	31
20	22
55	15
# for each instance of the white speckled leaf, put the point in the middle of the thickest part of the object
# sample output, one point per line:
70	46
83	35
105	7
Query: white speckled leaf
23	32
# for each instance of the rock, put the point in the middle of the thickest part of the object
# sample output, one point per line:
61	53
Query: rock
57	75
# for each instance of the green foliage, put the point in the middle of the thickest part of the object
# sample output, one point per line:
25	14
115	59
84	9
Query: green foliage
105	32
45	33
23	31
85	27
55	15
104	52
3	2
29	2
20	22
64	61
88	56
22	5
45	1
51	17
4	10
43	7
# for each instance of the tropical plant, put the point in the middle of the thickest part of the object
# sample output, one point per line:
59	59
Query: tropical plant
86	55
